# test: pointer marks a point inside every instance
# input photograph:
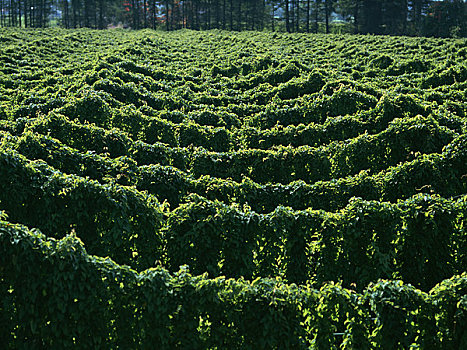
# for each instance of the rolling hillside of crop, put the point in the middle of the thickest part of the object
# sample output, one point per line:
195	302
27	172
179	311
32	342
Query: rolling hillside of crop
217	190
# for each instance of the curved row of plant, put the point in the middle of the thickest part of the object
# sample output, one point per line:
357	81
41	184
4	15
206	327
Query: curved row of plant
244	71
52	291
282	165
337	159
177	128
364	241
111	219
444	174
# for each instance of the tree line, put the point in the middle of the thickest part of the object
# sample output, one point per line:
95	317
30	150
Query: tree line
393	17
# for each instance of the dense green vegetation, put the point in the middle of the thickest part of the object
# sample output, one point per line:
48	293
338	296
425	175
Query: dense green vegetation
232	190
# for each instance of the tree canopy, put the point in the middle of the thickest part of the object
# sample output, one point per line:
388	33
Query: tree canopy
393	17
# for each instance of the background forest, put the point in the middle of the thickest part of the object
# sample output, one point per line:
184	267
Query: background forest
446	18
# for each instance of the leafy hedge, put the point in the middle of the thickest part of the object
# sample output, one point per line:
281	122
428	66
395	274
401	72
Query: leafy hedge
210	236
364	241
337	159
438	173
93	108
111	219
55	295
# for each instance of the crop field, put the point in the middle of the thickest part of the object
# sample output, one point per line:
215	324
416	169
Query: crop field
221	190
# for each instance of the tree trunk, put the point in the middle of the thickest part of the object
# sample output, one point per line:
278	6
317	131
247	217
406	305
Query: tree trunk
417	9
41	15
183	19
239	18
292	15
287	19
224	3
297	10
154	14
66	19
10	13
355	16
218	14
253	15
137	13
25	13
145	17
231	14
272	16
86	13
44	14
208	5
196	19
404	24
308	16
94	9
19	14
316	15
101	14
263	13
167	27
326	14
32	19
